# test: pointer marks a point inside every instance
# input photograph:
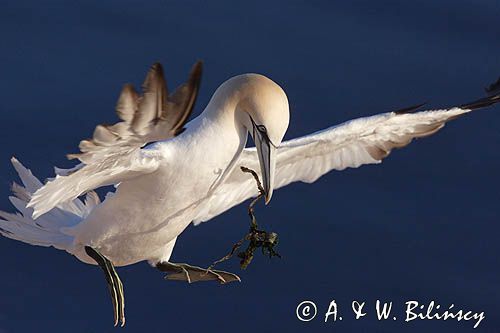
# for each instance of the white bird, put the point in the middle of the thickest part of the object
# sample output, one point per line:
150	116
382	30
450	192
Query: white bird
168	174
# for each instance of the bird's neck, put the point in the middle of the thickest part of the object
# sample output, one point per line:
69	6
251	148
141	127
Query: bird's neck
216	138
219	131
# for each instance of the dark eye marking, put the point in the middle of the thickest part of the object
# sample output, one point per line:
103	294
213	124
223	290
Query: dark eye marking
262	128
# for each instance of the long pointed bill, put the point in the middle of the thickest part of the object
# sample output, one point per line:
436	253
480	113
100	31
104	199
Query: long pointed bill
265	151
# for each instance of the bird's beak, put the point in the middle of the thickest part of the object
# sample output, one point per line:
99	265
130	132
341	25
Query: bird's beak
265	151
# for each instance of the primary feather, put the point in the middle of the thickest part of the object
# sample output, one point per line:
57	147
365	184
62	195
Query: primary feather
114	153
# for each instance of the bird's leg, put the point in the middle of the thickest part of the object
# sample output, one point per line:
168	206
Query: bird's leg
256	238
114	284
189	273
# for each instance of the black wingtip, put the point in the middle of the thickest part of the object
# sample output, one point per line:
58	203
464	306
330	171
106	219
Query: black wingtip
409	109
494	87
493	90
483	102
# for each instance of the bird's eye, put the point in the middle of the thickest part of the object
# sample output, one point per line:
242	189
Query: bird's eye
262	128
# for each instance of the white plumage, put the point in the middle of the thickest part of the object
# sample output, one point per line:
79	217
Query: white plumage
194	176
169	175
348	145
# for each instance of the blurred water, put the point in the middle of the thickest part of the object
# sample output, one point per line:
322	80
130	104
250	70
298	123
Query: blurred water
421	226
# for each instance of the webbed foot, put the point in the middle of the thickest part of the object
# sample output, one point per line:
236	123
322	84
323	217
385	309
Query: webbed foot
185	272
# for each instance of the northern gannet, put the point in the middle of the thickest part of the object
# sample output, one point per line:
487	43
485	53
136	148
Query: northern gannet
168	173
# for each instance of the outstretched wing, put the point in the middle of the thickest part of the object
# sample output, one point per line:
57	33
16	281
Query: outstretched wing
349	145
114	153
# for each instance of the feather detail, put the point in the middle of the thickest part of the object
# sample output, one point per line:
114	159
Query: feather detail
153	116
354	143
45	231
114	153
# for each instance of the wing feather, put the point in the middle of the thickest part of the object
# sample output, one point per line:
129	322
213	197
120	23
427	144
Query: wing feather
114	153
152	102
127	104
154	116
349	145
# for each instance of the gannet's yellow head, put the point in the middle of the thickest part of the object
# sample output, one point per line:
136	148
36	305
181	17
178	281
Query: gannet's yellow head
262	108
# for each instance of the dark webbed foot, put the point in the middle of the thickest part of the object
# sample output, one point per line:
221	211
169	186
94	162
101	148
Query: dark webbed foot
114	284
256	239
185	272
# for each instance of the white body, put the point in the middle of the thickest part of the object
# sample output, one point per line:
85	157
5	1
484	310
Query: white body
146	213
195	176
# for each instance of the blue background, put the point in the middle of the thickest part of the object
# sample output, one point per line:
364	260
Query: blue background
423	225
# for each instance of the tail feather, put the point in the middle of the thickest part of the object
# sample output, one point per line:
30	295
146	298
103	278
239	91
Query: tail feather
30	182
20	192
46	230
18	227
